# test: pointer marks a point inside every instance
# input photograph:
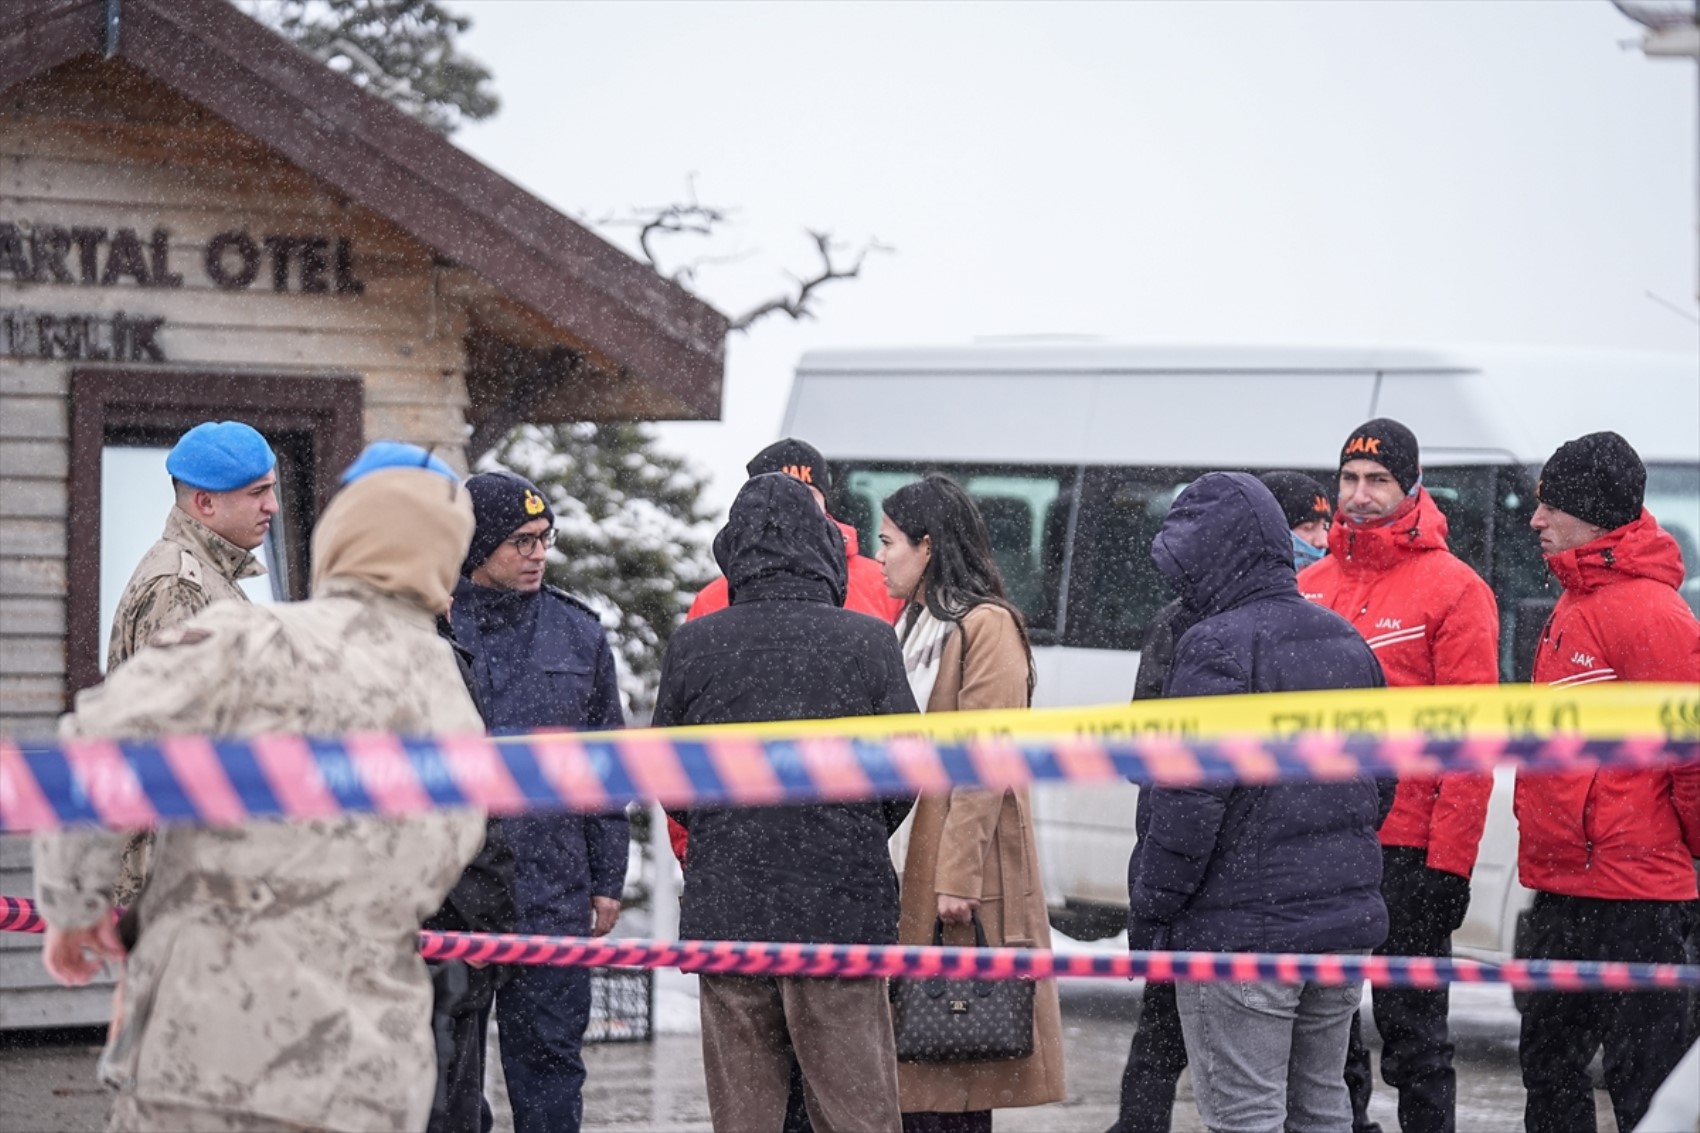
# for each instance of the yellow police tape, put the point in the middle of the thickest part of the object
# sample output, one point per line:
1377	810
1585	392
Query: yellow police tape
1609	710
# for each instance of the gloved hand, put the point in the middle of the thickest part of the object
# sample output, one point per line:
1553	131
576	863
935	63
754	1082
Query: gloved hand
1448	897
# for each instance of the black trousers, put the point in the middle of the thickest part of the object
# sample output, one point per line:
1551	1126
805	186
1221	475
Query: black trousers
1640	1033
460	1023
1416	1047
1154	1064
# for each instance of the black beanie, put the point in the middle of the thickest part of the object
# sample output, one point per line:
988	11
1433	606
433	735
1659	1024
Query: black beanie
1390	445
1598	478
502	503
797	459
1301	498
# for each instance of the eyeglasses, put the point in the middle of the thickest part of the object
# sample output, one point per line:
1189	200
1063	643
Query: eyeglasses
527	542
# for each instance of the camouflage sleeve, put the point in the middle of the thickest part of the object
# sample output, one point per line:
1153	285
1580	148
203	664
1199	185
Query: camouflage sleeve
159	604
76	872
180	683
186	678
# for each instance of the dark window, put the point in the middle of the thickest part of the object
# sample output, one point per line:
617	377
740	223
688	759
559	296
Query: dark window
1026	511
1673	496
1523	586
1114	588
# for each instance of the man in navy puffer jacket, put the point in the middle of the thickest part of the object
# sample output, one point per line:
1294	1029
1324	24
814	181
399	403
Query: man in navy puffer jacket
1294	867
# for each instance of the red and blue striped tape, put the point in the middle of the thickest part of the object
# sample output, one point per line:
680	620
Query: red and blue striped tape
848	961
197	779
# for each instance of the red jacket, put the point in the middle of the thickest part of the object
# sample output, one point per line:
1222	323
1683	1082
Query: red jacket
866	594
1617	834
1431	621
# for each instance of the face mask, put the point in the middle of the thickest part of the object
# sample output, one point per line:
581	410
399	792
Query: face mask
1304	554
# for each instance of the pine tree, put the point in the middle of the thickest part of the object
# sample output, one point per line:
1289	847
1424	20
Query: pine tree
402	50
633	534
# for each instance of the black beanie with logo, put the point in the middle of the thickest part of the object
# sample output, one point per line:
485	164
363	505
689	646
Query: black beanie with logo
1598	478
1390	445
502	503
1301	498
797	459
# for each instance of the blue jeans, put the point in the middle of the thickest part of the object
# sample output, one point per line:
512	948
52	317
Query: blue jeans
1268	1056
541	1014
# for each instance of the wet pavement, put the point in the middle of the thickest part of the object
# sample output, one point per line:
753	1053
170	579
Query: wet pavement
657	1086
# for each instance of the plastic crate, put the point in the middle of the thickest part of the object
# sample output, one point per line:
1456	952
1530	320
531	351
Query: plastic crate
622	1006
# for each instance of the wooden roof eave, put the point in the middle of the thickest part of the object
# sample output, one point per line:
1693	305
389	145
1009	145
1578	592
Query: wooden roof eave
653	331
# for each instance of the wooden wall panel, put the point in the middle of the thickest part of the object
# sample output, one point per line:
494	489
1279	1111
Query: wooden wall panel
71	156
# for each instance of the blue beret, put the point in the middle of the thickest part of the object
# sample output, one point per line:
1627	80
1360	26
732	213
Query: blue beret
220	456
396	454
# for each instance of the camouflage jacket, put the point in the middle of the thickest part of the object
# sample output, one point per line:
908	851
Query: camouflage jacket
188	570
277	971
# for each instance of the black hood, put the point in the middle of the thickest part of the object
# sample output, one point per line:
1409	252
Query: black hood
1225	541
778	544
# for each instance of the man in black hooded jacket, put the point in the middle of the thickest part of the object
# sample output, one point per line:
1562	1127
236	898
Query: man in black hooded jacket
817	873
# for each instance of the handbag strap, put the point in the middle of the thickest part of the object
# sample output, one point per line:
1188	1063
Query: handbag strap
979	931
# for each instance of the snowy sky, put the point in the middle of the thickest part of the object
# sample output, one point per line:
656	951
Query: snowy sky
1268	171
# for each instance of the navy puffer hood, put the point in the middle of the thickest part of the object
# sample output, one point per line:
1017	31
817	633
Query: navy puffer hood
1224	543
778	544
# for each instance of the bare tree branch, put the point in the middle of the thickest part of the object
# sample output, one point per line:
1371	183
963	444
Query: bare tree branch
693	218
797	306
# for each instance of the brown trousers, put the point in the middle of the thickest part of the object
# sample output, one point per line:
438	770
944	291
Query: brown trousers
840	1031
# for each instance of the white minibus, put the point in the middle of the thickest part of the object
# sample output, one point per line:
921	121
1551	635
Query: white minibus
1075	449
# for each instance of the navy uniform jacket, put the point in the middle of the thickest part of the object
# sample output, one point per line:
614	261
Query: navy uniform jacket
542	661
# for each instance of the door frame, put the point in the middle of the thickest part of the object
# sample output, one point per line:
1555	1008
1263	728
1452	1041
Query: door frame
330	408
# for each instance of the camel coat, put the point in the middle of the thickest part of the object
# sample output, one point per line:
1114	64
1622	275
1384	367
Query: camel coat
970	844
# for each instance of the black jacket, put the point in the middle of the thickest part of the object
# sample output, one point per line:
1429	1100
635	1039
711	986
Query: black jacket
783	650
1292	867
483	899
542	660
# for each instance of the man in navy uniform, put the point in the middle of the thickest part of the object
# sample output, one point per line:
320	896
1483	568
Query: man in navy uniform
540	659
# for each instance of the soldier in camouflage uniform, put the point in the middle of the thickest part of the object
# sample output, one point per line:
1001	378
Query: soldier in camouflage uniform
225	478
276	982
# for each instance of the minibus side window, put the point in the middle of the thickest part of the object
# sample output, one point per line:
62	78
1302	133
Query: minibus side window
1673	496
1114	589
1465	496
1026	513
1521	583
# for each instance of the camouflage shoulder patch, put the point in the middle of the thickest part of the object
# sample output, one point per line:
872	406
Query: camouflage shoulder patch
189	568
183	635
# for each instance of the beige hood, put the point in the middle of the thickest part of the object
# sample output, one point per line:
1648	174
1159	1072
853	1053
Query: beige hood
402	530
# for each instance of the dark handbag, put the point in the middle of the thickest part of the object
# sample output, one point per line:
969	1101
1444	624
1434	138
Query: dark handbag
940	1020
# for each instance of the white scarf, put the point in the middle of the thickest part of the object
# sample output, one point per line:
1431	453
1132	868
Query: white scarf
923	648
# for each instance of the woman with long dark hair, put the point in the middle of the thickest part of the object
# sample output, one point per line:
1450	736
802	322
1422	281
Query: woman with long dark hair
971	853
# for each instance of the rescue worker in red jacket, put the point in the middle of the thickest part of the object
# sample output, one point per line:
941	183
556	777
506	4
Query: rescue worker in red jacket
1610	853
802	461
1431	620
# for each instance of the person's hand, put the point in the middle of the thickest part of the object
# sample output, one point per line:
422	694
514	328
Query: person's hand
957	910
605	911
1448	897
74	956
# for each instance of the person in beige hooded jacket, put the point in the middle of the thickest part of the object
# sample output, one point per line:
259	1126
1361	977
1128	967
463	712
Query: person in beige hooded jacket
275	981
